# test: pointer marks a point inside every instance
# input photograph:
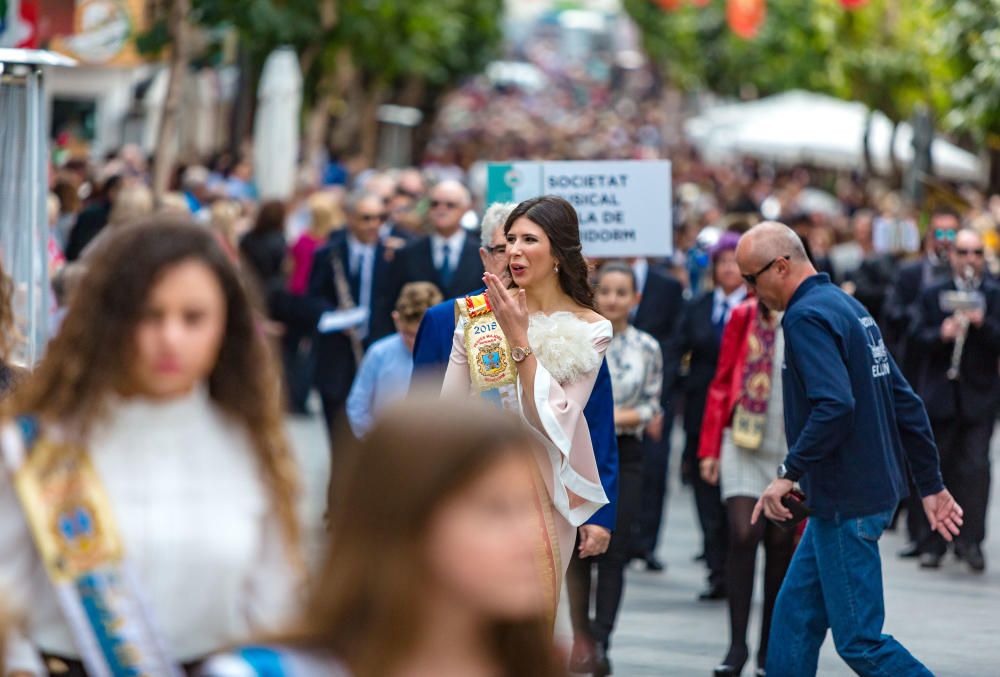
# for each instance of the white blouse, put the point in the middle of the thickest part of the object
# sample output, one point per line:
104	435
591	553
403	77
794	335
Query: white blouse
636	365
196	523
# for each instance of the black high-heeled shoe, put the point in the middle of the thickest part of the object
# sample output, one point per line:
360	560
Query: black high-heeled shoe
733	664
602	664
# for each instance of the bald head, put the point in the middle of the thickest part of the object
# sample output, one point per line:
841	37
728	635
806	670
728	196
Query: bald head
452	190
769	240
773	260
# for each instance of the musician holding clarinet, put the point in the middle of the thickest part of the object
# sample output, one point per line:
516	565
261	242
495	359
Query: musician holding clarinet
956	331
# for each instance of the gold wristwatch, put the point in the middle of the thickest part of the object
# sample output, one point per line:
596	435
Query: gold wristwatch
519	353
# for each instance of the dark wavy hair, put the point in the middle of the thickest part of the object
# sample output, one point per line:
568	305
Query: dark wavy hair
88	359
558	219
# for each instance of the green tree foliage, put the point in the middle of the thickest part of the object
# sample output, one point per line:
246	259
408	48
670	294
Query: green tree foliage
353	48
881	54
970	36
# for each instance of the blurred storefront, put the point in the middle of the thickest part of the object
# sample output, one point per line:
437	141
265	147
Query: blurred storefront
90	104
115	95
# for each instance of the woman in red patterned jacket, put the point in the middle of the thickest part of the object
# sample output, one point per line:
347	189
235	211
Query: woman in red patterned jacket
742	443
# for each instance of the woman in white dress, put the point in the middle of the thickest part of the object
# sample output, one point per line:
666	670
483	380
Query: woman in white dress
154	521
544	333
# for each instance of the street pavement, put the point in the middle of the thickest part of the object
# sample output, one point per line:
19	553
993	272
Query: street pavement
949	618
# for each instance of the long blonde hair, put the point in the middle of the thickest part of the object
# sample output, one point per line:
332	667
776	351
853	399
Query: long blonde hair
325	215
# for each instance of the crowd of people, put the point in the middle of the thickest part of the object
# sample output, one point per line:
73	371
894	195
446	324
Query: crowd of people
185	329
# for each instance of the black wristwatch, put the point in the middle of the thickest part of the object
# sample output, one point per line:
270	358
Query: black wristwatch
783	472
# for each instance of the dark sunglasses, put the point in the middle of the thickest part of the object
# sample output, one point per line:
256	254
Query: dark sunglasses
970	252
945	234
441	203
402	192
752	279
373	217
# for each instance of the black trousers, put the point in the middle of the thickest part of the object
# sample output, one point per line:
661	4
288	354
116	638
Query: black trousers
298	353
656	464
711	515
964	447
610	565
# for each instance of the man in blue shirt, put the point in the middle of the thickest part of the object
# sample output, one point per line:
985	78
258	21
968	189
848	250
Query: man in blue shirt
854	426
384	374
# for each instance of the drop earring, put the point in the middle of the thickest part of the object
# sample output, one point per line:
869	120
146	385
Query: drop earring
557	268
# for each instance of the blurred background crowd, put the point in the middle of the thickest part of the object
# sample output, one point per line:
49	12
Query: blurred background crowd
338	151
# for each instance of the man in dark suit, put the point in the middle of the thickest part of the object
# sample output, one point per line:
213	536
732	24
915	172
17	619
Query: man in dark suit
912	278
700	334
356	264
962	410
658	314
449	257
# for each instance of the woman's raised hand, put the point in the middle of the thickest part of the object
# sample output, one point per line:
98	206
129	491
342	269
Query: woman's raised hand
511	310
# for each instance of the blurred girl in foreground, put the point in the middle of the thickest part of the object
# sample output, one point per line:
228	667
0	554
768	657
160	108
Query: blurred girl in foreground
153	520
431	569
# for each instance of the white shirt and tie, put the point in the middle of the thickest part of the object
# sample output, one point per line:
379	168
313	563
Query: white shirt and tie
723	304
446	253
361	262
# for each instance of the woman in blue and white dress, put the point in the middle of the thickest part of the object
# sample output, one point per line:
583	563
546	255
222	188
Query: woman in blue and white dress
556	340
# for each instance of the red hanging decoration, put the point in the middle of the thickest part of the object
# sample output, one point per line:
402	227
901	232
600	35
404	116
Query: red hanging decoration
853	4
669	5
746	16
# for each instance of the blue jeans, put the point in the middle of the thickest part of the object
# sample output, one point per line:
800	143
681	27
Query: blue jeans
835	582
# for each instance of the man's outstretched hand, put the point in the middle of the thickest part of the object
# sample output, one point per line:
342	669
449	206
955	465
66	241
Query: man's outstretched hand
944	514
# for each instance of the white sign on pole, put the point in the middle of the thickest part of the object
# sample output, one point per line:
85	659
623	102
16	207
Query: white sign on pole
624	206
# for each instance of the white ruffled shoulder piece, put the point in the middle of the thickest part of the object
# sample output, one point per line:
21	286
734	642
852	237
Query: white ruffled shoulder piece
564	345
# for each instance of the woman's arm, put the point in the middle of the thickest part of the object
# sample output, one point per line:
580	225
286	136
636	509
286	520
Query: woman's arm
456	379
361	399
628	417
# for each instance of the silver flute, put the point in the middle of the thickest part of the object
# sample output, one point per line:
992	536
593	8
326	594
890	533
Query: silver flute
968	275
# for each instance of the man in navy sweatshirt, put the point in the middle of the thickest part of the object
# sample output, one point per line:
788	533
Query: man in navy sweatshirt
854	429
